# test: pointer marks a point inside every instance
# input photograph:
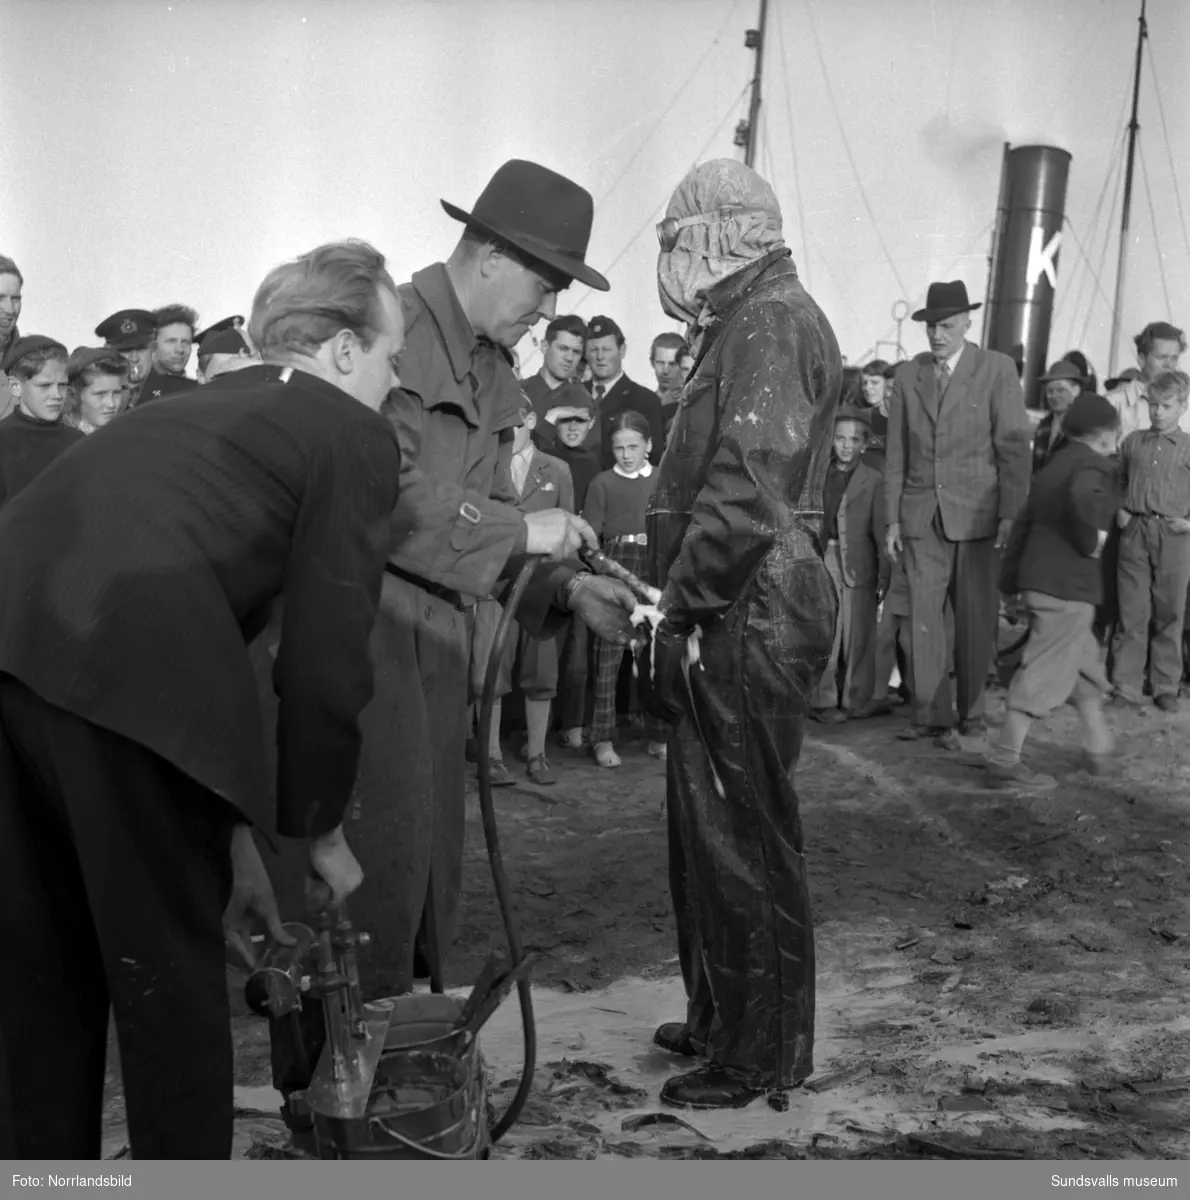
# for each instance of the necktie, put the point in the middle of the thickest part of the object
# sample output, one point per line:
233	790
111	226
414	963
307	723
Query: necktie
943	376
600	390
520	471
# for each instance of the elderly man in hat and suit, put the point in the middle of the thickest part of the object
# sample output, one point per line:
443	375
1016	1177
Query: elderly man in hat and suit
455	537
957	467
734	531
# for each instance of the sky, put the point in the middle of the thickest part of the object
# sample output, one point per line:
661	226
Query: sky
159	151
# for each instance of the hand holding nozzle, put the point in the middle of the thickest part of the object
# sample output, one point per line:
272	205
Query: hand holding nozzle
602	565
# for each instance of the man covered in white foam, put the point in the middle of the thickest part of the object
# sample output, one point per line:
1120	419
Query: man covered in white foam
742	631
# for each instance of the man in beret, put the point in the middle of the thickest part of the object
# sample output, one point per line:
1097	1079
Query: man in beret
615	393
131	332
956	478
456	537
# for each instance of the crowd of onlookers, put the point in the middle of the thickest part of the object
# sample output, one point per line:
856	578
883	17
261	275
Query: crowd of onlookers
929	503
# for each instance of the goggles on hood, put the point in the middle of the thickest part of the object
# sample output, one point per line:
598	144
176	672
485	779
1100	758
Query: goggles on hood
669	229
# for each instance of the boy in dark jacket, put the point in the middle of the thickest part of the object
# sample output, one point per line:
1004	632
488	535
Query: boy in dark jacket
852	541
1054	562
571	416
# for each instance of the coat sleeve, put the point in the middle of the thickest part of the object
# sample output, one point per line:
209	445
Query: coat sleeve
565	488
765	405
593	506
1093	503
879	529
442	532
894	453
330	595
1010	440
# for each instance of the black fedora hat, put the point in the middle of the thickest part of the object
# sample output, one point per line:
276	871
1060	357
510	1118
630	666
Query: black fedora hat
539	212
945	300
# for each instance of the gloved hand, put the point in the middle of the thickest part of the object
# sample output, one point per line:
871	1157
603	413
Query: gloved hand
605	605
659	673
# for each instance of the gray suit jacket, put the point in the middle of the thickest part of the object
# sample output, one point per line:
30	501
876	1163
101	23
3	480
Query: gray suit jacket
965	454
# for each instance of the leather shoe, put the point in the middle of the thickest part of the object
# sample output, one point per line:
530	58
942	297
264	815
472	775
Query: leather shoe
828	716
708	1087
672	1036
972	727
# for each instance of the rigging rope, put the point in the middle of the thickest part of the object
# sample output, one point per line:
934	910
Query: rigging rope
668	108
797	175
649	222
1173	171
1144	174
830	92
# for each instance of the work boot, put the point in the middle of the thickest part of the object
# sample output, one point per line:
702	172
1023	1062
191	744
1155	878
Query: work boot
1019	777
915	733
873	708
1167	702
708	1087
972	727
672	1036
539	771
828	716
659	750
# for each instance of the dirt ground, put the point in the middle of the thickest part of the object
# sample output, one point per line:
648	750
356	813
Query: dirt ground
999	977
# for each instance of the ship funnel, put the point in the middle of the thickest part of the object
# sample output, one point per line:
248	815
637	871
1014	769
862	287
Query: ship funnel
1024	266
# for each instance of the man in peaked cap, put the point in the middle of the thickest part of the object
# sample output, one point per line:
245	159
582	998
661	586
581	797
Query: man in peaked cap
524	240
957	467
131	331
223	349
616	394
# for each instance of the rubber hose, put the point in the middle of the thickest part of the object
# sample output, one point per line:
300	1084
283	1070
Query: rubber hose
492	837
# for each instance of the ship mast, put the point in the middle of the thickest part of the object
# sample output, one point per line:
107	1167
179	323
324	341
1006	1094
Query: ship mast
1133	130
747	132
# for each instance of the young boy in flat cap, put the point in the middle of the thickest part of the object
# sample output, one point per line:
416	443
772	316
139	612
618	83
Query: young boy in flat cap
571	417
852	536
1054	562
32	435
1153	571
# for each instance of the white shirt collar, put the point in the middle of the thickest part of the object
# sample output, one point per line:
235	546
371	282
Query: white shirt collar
606	384
954	358
642	473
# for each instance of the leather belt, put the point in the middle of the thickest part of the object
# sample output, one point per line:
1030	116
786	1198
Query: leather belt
433	589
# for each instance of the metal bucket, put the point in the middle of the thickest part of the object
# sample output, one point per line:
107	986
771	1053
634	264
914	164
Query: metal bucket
429	1096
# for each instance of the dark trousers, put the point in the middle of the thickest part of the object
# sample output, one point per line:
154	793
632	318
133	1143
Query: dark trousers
737	866
408	820
115	869
1152	575
968	573
572	675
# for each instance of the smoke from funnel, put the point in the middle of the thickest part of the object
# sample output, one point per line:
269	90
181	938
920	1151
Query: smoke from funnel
960	150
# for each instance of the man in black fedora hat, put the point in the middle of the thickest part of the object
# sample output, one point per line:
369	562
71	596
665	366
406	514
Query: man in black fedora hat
957	467
524	240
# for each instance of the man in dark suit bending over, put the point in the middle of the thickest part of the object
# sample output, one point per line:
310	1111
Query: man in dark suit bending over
132	764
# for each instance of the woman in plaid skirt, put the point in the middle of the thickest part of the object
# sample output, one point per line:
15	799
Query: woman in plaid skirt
615	508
